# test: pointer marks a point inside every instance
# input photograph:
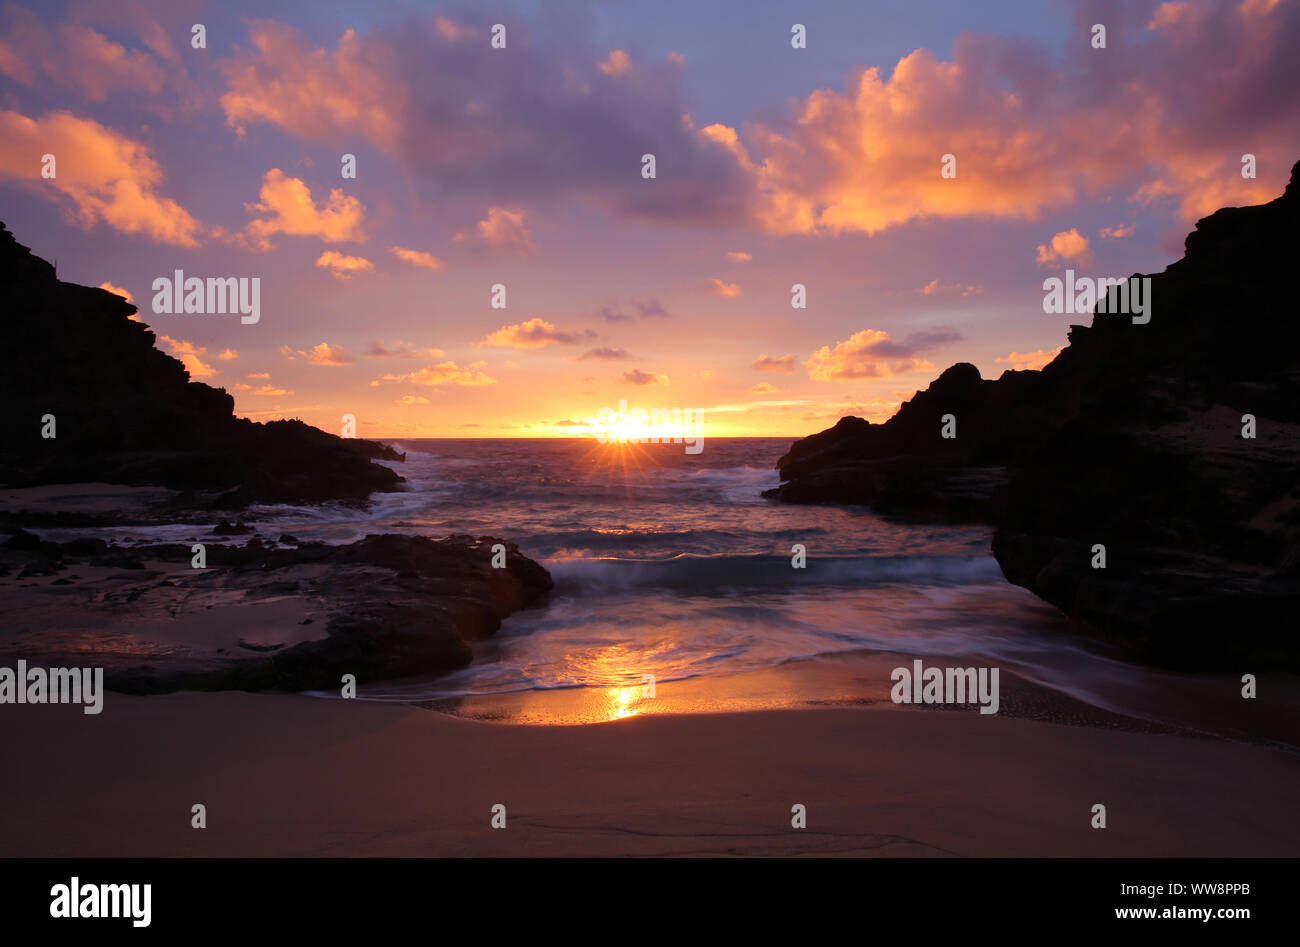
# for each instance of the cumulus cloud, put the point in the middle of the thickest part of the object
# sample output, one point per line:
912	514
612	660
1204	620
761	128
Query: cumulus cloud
342	266
604	353
638	377
1030	360
936	288
502	232
100	175
311	92
322	354
533	334
729	290
618	64
1118	232
328	355
1029	133
444	373
1030	129
1068	246
404	88
763	388
228	354
871	353
400	349
292	212
765	363
739	256
75	56
417	258
189	355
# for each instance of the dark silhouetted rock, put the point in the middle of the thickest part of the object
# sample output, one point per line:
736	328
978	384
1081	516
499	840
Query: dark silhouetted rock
127	413
1131	439
905	467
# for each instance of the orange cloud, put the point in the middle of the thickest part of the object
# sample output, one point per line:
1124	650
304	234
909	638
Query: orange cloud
75	56
638	377
344	267
503	231
227	354
1030	360
189	354
1028	134
934	287
99	175
1068	246
763	388
1173	15
328	355
870	158
1029	129
766	364
412	399
871	353
417	258
310	92
271	391
124	293
1117	232
446	373
448	29
533	334
618	64
739	256
294	213
729	290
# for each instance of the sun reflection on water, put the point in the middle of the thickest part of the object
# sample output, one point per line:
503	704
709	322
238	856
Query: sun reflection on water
622	700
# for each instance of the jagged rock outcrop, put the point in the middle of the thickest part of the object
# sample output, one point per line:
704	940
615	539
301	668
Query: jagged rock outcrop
905	467
1132	439
128	413
386	607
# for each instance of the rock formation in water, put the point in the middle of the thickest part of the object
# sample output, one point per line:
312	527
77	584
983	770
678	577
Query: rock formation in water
384	607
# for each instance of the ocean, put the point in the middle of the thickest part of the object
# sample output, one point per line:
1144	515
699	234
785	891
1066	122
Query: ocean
671	567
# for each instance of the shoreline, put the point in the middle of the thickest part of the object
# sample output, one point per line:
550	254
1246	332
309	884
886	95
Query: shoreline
860	680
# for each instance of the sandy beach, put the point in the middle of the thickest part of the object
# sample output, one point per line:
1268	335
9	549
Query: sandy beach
288	775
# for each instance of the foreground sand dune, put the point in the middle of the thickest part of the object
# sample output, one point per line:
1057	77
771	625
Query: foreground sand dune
288	775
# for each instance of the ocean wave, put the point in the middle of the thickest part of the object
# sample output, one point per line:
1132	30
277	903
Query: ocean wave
704	573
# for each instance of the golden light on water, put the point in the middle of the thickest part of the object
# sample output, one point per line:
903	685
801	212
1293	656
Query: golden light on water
621	701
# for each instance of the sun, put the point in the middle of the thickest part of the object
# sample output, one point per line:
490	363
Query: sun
618	427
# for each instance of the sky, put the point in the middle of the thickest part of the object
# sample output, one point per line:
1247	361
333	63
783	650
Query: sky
777	163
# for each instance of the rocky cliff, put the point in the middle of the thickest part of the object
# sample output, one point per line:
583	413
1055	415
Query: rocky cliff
1132	440
128	413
